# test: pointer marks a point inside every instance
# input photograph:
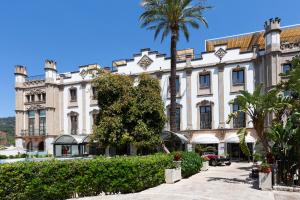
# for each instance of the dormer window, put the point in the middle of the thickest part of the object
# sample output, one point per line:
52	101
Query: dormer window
73	95
238	76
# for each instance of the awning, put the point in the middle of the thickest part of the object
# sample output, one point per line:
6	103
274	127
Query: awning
167	134
235	139
205	139
71	139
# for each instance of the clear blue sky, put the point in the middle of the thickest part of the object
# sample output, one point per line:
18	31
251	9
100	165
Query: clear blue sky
78	32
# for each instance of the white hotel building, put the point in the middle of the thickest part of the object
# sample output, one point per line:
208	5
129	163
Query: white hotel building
54	113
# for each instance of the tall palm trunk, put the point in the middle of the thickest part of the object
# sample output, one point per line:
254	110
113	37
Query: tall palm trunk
173	81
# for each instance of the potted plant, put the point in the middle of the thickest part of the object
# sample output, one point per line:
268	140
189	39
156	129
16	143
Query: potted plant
205	164
174	174
265	176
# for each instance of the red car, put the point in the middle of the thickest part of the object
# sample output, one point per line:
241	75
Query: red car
215	160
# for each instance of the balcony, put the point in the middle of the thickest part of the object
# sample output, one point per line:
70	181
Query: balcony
33	133
239	122
205	124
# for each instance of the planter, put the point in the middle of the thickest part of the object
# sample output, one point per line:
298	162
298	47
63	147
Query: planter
265	181
205	166
172	175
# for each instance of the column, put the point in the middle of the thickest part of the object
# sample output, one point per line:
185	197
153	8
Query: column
83	86
221	95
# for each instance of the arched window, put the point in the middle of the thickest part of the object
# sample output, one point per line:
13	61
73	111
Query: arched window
73	94
73	123
178	116
205	114
240	120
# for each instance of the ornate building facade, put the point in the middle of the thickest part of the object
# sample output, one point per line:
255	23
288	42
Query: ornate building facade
57	110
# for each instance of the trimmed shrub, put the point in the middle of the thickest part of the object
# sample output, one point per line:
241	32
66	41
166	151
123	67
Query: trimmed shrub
191	164
78	178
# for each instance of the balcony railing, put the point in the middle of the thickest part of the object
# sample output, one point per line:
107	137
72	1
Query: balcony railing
33	132
205	124
239	122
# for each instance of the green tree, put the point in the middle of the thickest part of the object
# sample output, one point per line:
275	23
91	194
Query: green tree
128	112
257	106
172	17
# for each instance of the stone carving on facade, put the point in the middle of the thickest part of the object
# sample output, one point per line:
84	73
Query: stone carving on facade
35	107
220	53
34	83
145	62
289	45
35	91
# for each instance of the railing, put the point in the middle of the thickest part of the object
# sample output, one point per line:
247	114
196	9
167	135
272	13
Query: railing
205	124
239	122
35	78
33	132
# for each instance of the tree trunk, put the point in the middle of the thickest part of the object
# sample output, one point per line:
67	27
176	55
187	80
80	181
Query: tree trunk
173	82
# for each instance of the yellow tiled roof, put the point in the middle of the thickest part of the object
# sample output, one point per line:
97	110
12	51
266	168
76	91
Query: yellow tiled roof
245	42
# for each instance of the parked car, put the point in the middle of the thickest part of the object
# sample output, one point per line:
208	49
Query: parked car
215	160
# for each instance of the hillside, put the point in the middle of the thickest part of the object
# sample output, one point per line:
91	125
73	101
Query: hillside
8	125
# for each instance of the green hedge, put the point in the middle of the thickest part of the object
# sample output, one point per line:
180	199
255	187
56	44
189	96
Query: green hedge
67	179
191	164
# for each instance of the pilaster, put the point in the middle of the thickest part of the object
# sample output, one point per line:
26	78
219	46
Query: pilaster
221	95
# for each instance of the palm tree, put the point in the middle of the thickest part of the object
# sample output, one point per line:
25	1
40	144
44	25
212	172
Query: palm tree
258	107
172	17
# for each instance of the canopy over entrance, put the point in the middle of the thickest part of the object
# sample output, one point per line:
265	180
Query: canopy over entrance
205	139
167	134
235	139
72	139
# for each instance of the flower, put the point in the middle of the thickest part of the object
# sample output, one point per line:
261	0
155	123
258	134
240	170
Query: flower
177	156
265	168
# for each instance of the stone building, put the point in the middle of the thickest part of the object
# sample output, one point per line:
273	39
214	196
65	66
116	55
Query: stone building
57	109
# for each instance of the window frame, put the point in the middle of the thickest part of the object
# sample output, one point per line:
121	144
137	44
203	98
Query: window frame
235	80
209	80
72	97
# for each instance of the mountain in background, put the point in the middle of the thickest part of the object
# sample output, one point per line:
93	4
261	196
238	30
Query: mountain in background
7	124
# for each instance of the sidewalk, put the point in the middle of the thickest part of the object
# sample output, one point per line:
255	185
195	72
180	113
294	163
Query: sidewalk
218	183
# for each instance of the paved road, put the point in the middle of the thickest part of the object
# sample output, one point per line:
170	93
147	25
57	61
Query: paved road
218	183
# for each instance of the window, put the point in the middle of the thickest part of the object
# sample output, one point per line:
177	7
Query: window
286	68
32	98
177	85
205	117
238	77
39	97
94	115
94	93
28	98
42	122
287	93
74	124
240	120
178	119
204	80
73	94
44	97
31	119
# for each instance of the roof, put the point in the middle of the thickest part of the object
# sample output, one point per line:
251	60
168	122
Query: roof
246	41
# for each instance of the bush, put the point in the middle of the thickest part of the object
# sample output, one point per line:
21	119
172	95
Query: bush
191	164
67	179
3	157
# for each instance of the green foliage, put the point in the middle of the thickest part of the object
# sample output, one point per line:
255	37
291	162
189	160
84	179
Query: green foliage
257	106
242	133
191	163
8	125
130	112
64	179
168	16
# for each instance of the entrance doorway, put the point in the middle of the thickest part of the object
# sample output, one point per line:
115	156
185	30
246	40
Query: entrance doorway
41	146
201	148
235	153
